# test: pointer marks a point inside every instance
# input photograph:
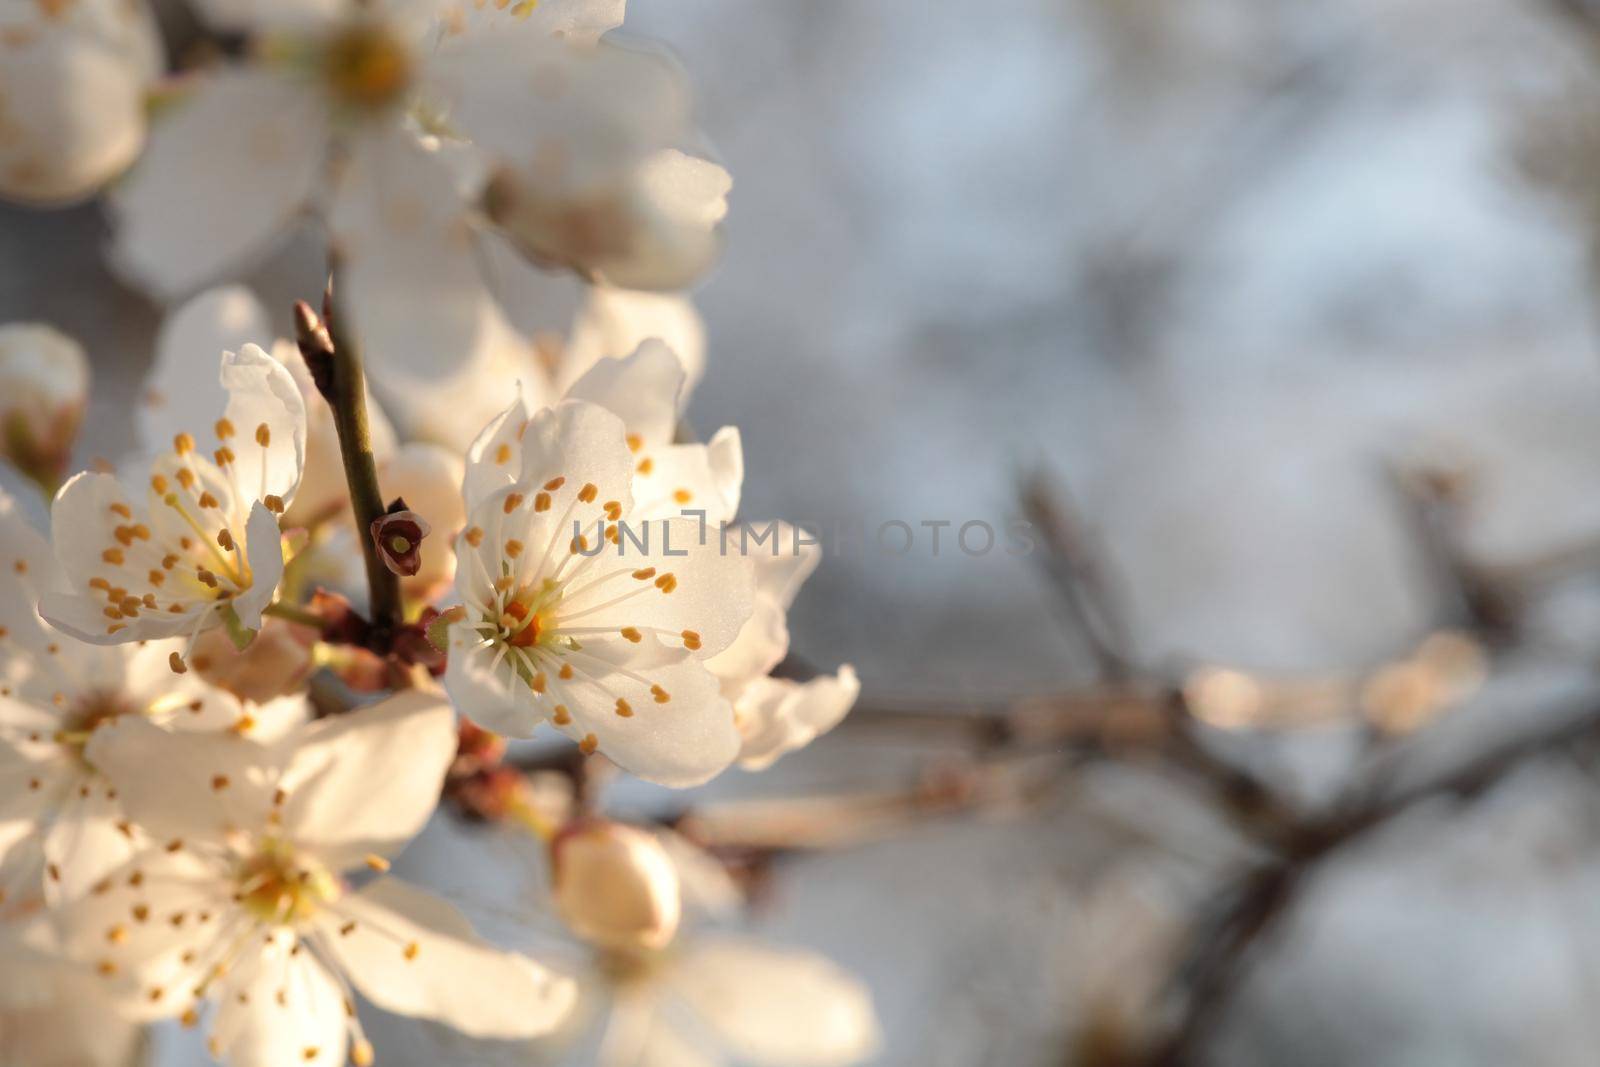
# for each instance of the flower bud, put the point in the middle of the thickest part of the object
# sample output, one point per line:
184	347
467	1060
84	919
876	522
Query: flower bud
398	536
44	386
615	886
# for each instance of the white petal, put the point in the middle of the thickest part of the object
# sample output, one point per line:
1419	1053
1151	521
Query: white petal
74	110
713	595
644	390
686	741
366	781
486	470
264	401
84	847
778	1008
614	322
482	688
782	563
678	201
264	548
702	482
776	716
261	138
411	278
281	1009
184	785
413	954
183	384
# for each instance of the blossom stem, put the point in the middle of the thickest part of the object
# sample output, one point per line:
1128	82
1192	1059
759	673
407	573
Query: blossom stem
290	613
342	379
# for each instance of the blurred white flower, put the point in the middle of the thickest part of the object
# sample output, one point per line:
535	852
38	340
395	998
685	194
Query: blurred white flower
386	119
44	388
180	382
716	999
601	188
203	549
73	79
245	907
603	633
63	827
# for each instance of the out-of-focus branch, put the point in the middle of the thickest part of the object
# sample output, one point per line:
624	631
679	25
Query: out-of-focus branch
1074	564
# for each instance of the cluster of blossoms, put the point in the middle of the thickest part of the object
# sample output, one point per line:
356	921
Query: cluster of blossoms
241	669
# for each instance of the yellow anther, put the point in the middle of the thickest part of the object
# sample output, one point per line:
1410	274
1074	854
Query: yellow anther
474	536
274	503
112	556
635	442
691	640
225	539
682	496
646	465
666	583
183	444
503	453
264	435
588	493
207	500
661	695
513	548
565	673
175	661
589	744
632	634
411	951
555	483
219	782
159	484
538	683
645	574
579	544
562	716
224	429
223	456
121	509
377	862
541	502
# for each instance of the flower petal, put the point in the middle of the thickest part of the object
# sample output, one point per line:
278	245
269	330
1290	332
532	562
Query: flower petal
482	688
183	384
281	1008
682	742
644	390
614	322
778	1008
262	140
411	278
269	419
184	785
366	781
413	954
264	548
776	715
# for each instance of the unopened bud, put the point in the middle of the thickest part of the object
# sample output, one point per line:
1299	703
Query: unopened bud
615	886
44	386
398	537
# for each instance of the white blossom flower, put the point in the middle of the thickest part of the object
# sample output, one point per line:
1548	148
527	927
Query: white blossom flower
203	547
407	103
704	998
180	383
246	907
61	826
73	79
602	633
44	388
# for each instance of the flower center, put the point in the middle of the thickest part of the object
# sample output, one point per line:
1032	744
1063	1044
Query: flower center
86	716
366	66
281	887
